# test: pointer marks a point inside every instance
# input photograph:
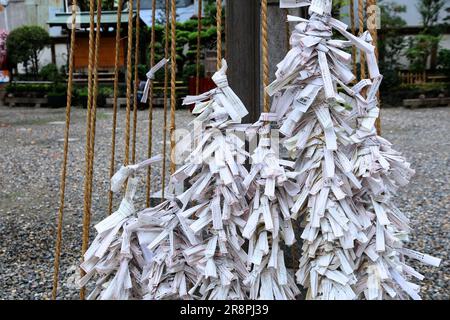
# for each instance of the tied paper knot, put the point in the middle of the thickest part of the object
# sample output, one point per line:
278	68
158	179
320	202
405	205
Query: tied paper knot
223	95
125	210
201	97
126	207
124	172
229	100
151	76
221	81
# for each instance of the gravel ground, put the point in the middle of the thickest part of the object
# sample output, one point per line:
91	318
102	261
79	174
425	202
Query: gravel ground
31	155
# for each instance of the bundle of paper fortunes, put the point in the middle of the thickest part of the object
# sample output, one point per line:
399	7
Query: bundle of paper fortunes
192	251
272	190
347	174
222	237
116	255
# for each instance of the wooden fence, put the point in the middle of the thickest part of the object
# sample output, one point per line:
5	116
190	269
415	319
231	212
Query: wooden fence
407	77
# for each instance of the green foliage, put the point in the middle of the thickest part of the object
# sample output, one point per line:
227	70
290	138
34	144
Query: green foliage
186	42
191	54
24	45
444	61
447	18
207	37
413	91
429	88
50	72
82	92
430	10
425	45
421	46
189	25
105	91
190	70
182	36
37	89
106	4
337	6
58	89
210	12
28	88
391	45
142	72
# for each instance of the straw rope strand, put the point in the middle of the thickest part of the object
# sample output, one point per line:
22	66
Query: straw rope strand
219	33
372	5
265	54
94	101
353	29
173	54
129	75
199	34
88	151
362	58
166	80
136	80
150	104
65	156
116	89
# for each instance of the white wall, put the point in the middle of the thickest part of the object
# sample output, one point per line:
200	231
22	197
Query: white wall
445	42
16	16
45	57
61	55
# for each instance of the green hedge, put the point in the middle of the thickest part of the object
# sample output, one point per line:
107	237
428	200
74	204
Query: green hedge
395	96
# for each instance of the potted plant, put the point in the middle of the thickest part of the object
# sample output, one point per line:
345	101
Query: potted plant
82	96
57	96
103	93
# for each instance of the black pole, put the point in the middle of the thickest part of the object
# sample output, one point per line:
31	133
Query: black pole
243	53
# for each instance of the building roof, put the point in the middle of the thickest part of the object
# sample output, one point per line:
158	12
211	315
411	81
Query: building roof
183	14
160	4
65	19
110	17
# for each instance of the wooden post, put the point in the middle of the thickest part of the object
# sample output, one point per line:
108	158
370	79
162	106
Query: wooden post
243	53
53	50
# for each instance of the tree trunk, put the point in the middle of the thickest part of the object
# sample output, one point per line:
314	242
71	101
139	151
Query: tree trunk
433	57
35	65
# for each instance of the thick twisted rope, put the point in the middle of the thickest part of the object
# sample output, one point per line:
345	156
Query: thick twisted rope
374	34
150	104
362	58
129	75
353	29
94	99
199	33
173	53
116	89
166	80
90	127
265	54
136	81
66	151
219	33
86	209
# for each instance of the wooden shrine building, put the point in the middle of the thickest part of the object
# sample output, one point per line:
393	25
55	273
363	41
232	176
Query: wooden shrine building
107	41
